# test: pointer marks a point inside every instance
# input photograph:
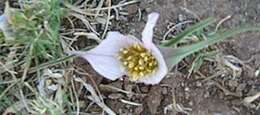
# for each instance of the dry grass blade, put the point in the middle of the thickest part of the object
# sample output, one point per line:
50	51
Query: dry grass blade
95	97
85	21
114	88
130	103
226	91
108	18
7	89
250	99
88	35
76	96
221	22
116	6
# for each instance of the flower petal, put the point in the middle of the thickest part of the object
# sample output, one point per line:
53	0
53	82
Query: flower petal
147	35
112	44
2	18
2	22
160	73
107	66
103	58
6	28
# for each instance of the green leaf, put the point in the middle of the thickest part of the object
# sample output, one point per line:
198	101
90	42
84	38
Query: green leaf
189	31
177	54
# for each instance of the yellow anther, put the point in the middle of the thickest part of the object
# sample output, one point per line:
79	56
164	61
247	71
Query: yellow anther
125	63
146	58
131	65
125	51
143	54
129	58
136	46
141	74
138	61
141	62
140	48
134	76
150	71
141	68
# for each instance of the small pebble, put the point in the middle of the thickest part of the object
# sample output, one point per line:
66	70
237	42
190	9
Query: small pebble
187	89
164	91
115	96
191	103
198	84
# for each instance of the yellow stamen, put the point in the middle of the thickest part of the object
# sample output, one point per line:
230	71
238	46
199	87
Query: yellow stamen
125	63
125	51
138	61
141	62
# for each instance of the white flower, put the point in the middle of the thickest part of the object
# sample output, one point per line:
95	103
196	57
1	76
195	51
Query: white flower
120	55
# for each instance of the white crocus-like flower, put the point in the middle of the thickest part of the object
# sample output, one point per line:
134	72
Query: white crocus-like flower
120	55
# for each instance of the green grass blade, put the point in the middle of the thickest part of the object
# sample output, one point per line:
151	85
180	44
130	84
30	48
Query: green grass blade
180	53
189	31
219	36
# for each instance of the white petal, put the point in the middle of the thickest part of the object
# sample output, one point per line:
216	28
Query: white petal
160	73
107	66
147	35
1	18
5	28
112	44
103	58
2	22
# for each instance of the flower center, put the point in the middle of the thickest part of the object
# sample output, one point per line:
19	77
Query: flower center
138	61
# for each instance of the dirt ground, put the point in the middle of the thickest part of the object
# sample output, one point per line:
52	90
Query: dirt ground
180	93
